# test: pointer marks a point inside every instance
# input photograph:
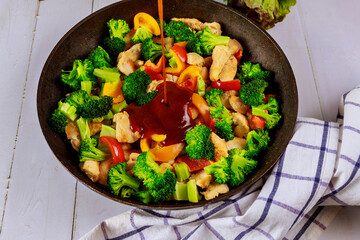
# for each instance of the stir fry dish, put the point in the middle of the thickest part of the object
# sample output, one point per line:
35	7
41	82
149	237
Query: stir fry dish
191	137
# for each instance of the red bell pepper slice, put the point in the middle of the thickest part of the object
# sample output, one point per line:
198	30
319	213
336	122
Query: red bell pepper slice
228	85
152	69
116	149
157	76
189	84
258	121
194	164
180	52
238	55
267	96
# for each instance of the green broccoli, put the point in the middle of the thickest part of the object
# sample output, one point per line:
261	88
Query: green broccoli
84	129
151	50
88	151
269	112
107	74
68	110
250	71
100	58
114	46
179	31
117	31
58	121
141	35
204	42
223	118
256	141
118	28
220	169
143	196
240	165
252	93
161	185
81	71
118	180
127	192
199	144
134	88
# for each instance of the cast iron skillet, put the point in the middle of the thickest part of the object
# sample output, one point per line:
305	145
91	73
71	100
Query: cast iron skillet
87	34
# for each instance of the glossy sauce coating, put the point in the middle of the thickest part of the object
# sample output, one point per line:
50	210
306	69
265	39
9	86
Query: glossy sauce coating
171	119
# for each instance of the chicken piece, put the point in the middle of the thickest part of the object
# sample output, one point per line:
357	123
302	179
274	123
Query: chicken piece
92	169
195	59
168	43
193	23
138	63
234	46
220	146
95	127
202	179
131	163
127	39
214	190
204	73
208	61
237	104
242	125
194	112
220	56
104	169
215	27
153	85
73	134
126	60
123	130
171	78
229	70
236	143
226	96
164	166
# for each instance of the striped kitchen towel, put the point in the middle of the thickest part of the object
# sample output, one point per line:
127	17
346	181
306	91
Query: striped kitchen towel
317	174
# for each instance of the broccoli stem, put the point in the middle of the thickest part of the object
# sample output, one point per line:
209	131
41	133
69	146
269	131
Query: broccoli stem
68	110
84	129
192	191
181	193
86	86
107	75
117	107
182	172
107	131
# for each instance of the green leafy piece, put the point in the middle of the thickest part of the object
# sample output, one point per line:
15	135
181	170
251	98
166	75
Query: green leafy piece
81	71
240	165
119	179
88	151
179	31
220	169
100	58
198	142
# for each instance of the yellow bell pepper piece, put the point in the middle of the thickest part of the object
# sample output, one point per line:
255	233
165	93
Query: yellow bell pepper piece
113	89
189	72
145	20
167	153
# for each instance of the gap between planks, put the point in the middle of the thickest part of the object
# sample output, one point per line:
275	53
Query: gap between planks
19	119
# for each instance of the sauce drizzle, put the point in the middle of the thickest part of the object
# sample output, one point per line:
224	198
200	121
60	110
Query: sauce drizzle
161	17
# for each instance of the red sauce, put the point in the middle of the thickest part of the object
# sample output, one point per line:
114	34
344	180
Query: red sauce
171	119
161	16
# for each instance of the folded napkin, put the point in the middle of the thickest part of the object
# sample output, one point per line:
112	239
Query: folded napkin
317	174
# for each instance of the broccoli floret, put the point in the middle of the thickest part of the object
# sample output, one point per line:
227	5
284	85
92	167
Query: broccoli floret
161	185
272	106
179	31
223	118
205	41
140	35
118	180
68	110
88	151
100	58
150	50
127	192
118	28
220	169
134	88
269	112
89	106
240	165
199	144
81	71
249	71
256	141
114	46
143	196
252	93
58	121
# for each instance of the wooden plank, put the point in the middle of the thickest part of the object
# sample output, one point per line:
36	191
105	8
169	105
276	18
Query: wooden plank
289	35
332	34
17	22
40	201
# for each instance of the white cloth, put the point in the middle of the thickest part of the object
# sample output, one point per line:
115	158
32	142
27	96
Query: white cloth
318	173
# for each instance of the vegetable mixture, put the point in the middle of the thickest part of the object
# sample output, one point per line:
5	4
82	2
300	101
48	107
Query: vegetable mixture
205	139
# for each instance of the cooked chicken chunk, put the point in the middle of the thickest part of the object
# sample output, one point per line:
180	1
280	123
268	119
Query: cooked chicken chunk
220	146
214	190
104	169
73	134
195	59
237	104
123	130
194	112
126	60
164	166
92	169
204	73
236	143
229	70
153	85
168	43
131	163
242	125
215	27
226	96
202	179
234	46
95	128
208	61
220	56
127	39
171	78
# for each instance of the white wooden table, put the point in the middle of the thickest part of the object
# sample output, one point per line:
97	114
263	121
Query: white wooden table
39	199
